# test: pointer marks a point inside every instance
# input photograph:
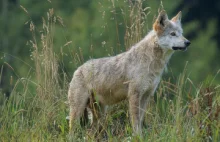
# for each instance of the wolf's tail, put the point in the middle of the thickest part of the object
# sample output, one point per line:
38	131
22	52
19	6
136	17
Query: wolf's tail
78	96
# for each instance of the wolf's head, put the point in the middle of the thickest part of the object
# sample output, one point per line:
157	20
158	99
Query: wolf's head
170	32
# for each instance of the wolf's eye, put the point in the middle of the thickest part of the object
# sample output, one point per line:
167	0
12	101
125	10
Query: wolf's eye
173	34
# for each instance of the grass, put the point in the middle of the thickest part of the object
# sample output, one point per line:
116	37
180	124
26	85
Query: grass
36	109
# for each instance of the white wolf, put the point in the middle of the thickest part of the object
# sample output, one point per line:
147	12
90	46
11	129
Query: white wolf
133	75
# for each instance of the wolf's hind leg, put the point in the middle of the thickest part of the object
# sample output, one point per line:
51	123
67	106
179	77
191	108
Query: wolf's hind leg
97	109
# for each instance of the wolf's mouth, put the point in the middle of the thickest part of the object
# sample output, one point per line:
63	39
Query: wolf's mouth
179	48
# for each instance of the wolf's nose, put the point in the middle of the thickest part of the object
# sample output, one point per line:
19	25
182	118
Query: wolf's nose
187	43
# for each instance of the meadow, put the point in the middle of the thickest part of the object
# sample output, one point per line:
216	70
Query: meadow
36	110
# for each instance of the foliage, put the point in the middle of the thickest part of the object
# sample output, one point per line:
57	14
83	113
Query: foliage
37	65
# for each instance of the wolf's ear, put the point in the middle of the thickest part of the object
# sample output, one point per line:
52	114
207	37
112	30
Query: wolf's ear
161	21
177	18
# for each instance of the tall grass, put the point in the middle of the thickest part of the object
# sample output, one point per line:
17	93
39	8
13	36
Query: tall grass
37	114
180	111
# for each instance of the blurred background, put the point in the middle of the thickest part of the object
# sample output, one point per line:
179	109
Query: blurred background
97	28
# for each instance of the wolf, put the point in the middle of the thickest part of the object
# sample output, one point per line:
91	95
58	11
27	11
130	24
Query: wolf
133	75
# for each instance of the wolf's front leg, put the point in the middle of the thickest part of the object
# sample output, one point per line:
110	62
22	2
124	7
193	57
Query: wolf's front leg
143	104
145	98
134	105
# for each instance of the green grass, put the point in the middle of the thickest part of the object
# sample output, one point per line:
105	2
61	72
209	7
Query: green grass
36	109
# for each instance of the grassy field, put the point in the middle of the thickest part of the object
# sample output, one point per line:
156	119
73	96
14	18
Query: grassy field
36	109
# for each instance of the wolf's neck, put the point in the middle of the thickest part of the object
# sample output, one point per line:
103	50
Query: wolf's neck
149	47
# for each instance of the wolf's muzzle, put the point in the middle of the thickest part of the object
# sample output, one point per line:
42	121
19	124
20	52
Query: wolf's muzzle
187	43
